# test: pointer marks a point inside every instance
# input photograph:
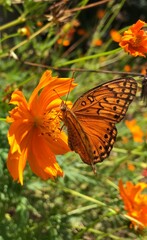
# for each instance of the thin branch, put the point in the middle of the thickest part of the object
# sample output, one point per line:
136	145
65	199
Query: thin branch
87	6
82	69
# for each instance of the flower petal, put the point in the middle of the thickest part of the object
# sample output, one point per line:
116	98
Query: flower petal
54	88
41	159
16	163
59	145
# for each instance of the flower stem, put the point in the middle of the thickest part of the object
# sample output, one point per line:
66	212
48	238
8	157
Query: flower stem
3	119
27	40
90	57
19	20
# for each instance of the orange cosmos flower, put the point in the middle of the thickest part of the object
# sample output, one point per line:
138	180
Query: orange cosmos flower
25	31
100	13
115	35
82	31
35	134
134	40
135	130
97	42
135	202
131	167
127	68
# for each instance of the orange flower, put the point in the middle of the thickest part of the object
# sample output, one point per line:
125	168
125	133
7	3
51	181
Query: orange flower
67	33
143	70
134	40
39	24
115	35
135	202
25	31
35	134
97	42
131	167
135	130
100	13
64	42
127	68
81	32
125	140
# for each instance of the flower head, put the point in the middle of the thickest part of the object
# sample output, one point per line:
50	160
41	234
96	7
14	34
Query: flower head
135	130
134	40
115	35
135	202
97	42
35	134
25	31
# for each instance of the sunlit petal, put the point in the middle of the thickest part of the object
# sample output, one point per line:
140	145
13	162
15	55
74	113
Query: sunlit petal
41	159
135	202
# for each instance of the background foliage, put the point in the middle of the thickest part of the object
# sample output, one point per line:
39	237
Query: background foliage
81	205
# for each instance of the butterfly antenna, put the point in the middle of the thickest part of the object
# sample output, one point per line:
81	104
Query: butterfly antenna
57	93
58	114
69	87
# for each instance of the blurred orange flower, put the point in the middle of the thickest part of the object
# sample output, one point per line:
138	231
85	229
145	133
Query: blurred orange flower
115	35
143	70
67	33
135	202
35	134
64	42
81	32
135	130
100	13
25	31
39	24
125	140
127	68
134	40
131	167
97	42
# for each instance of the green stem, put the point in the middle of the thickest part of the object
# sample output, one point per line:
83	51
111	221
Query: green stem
19	20
27	40
90	57
3	119
9	36
88	198
107	25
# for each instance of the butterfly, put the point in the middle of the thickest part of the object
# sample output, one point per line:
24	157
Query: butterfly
91	120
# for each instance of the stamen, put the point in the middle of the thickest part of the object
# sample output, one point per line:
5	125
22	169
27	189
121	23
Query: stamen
137	41
50	124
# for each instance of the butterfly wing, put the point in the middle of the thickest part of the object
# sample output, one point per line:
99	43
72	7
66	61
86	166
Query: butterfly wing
101	136
92	146
110	100
91	121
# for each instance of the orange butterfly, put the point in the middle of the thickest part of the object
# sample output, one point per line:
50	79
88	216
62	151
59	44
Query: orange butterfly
91	121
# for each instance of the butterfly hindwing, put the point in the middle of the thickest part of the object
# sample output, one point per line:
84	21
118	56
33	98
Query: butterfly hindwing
102	140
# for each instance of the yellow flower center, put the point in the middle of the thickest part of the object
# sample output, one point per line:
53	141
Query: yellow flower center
49	124
137	41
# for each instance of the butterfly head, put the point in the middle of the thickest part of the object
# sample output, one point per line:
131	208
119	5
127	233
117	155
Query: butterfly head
63	106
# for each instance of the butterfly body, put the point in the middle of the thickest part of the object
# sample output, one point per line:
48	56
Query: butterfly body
91	121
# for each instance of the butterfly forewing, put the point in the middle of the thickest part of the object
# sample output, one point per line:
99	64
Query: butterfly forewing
91	121
110	100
